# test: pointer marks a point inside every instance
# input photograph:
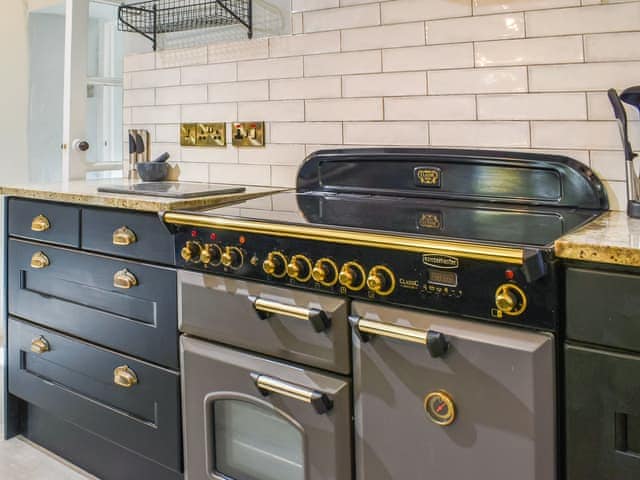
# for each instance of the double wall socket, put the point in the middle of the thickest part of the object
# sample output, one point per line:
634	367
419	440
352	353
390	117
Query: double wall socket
203	135
248	134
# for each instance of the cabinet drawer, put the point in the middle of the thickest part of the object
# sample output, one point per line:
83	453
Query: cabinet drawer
603	308
49	222
603	415
76	381
127	234
75	292
257	317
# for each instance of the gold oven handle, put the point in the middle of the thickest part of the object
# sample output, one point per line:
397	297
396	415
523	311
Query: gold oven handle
40	223
124	236
320	401
39	260
265	308
436	342
124	279
124	377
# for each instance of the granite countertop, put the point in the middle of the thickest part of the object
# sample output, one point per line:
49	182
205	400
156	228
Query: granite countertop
86	193
612	238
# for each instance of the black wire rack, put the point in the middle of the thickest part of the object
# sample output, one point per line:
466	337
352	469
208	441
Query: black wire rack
153	17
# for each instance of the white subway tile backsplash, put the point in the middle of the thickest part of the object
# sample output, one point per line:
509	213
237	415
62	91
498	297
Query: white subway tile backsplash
135	63
157	115
271	68
428	58
167	133
240	174
490	27
581	135
227	154
343	63
181	95
594	19
385	36
599	107
345	109
617	194
239	91
531	51
297	26
316	87
583	77
306	5
278	111
238	51
156	78
610	47
306	132
608	165
288	46
445	107
173	149
483	7
190	172
217	73
411	10
386	133
339	18
384	85
489	80
181	57
533	106
480	134
273	154
209	112
138	98
283	176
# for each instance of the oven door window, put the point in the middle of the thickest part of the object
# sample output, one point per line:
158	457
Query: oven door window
253	442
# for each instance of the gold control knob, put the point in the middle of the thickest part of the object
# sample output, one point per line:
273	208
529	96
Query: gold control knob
124	377
510	299
191	251
211	254
299	268
381	280
352	276
275	265
325	272
232	258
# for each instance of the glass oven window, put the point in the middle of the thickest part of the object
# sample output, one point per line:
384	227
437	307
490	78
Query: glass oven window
255	443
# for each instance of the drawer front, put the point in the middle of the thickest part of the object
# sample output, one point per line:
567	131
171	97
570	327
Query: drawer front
603	308
603	415
76	381
127	234
49	222
75	292
236	312
253	418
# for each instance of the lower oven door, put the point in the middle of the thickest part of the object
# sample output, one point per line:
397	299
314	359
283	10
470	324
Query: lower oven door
251	418
483	409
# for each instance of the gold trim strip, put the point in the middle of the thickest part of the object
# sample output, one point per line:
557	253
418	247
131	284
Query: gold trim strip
363	239
283	388
268	306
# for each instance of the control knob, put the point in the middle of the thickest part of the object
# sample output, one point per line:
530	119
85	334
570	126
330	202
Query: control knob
211	254
510	299
191	251
275	265
381	280
299	268
352	276
325	272
232	258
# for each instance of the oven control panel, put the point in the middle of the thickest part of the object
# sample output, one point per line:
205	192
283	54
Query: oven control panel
445	283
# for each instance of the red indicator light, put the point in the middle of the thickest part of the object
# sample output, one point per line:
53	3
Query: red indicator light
242	240
213	236
509	274
194	233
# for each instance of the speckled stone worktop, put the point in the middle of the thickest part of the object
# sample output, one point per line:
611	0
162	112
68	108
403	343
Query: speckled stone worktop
86	193
612	238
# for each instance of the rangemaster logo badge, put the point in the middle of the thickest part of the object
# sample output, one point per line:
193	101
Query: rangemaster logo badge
427	176
440	261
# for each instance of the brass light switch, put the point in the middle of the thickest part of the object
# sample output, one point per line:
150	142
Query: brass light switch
203	134
248	134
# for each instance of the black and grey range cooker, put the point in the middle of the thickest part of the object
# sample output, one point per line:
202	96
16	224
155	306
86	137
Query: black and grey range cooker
396	316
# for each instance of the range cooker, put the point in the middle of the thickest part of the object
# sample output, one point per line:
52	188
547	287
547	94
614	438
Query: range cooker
395	316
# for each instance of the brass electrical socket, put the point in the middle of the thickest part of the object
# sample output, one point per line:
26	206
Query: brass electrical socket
203	134
247	134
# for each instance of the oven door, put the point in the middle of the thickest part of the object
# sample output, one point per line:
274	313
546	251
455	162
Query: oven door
484	408
251	418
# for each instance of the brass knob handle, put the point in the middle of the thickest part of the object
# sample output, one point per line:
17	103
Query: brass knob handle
211	254
232	258
124	279
39	260
510	299
123	236
352	276
325	272
191	251
381	280
299	268
40	224
40	345
124	377
275	265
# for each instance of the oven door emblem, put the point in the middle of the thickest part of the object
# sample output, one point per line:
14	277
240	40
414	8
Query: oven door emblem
428	176
432	221
440	261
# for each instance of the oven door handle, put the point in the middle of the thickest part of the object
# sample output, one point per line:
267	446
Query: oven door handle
436	342
320	401
319	320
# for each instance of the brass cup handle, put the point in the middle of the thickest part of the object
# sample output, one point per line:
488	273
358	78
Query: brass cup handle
320	401
123	236
319	320
124	377
435	342
39	260
40	223
124	279
40	345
